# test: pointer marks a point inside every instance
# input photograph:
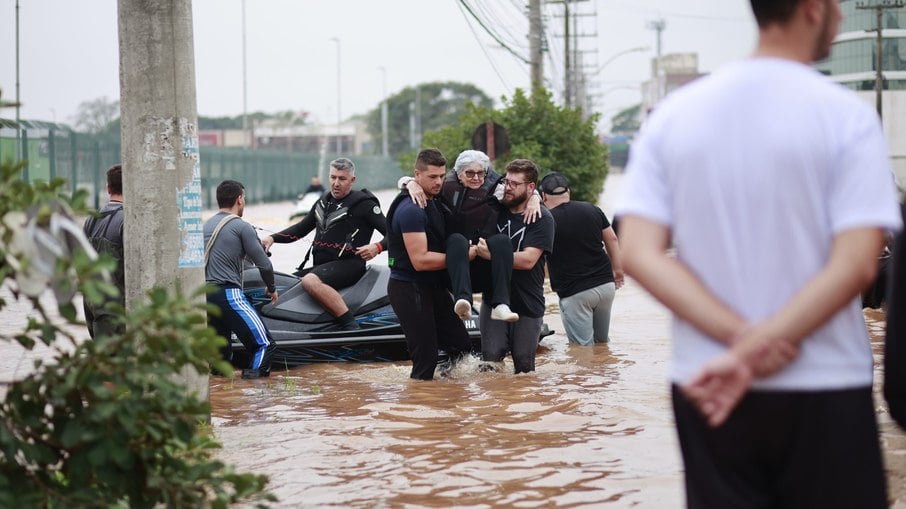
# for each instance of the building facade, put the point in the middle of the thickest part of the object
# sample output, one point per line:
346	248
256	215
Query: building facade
853	64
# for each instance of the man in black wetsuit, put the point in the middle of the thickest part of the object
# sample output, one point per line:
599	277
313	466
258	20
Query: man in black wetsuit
345	220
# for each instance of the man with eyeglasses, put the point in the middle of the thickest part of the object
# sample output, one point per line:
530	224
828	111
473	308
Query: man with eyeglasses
531	243
470	194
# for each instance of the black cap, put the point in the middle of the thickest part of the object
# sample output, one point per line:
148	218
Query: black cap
554	183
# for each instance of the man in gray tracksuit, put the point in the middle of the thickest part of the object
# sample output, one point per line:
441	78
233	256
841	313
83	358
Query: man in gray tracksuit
228	241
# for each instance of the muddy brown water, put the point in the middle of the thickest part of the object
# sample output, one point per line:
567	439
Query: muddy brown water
592	427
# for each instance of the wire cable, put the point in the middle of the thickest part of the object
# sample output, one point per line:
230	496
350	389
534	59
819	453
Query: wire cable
494	36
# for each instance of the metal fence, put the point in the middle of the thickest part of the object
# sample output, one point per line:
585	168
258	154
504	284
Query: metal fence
82	160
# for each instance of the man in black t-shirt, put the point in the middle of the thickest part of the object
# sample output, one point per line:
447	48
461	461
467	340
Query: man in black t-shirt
583	274
530	242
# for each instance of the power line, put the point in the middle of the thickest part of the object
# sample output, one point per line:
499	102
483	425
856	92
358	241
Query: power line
495	20
494	36
483	50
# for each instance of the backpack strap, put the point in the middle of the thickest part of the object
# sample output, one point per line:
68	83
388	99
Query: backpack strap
220	225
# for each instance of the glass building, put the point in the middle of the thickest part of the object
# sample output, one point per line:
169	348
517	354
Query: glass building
853	57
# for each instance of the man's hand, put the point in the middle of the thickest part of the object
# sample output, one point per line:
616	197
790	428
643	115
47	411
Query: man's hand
764	353
481	249
368	251
267	242
473	252
417	194
718	387
722	382
272	295
532	210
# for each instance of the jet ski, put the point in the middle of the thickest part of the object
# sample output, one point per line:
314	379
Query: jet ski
304	203
306	333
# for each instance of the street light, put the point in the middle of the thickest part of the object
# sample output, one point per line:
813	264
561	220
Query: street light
384	147
339	116
18	102
615	56
248	139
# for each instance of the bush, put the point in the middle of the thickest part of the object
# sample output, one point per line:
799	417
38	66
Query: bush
556	138
106	423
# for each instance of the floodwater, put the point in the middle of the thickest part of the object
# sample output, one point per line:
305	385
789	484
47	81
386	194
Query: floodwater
592	427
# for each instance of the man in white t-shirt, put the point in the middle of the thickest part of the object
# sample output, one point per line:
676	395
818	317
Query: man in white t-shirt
774	186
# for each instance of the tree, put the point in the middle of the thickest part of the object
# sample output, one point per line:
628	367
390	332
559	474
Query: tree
442	103
556	138
105	423
96	116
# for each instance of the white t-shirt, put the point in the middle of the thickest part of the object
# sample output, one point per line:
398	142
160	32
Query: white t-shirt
755	169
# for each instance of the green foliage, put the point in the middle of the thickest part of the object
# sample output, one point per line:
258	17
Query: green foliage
106	423
556	138
442	104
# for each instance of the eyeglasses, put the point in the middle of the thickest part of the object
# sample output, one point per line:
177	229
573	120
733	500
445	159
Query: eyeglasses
473	174
513	184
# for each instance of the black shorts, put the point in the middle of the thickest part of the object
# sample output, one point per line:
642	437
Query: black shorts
784	449
340	273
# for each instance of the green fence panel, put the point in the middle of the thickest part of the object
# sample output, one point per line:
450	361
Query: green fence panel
268	175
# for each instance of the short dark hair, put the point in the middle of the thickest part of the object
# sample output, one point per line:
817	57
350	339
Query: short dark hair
430	157
343	164
525	167
228	192
768	12
115	179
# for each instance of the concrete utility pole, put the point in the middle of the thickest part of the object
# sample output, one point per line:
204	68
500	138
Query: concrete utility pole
535	54
164	242
879	40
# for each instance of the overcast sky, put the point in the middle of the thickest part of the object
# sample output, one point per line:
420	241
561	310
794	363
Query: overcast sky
69	50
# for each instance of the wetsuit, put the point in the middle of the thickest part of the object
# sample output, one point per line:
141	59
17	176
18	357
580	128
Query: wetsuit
343	225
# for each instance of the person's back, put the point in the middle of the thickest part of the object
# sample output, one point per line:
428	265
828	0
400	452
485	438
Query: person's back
751	152
775	187
578	261
105	233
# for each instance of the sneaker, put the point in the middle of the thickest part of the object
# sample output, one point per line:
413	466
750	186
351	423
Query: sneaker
250	374
445	369
463	309
486	367
502	312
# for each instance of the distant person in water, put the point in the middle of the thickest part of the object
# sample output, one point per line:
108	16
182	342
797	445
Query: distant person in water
315	186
